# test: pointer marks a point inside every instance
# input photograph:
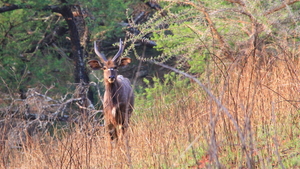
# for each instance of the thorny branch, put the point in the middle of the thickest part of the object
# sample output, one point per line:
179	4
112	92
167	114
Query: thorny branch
224	45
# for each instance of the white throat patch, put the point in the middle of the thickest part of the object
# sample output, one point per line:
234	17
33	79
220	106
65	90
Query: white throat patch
113	111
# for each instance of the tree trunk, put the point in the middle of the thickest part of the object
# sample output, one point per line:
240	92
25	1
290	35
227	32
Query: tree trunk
80	70
80	73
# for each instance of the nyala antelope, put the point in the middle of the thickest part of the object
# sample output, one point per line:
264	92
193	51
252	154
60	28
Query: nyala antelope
118	99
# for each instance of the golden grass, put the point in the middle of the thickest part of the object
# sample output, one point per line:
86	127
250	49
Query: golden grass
189	130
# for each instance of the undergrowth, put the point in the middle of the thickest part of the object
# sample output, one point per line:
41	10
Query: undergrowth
175	125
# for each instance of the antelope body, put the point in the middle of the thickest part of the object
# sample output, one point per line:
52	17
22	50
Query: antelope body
118	99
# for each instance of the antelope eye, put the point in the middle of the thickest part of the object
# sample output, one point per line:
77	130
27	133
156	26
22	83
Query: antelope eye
104	67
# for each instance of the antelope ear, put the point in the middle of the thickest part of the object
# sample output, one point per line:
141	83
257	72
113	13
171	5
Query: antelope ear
95	64
125	61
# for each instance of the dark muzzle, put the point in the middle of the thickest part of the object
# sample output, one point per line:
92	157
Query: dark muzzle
112	77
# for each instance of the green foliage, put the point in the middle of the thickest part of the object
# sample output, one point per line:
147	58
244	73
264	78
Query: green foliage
107	15
51	71
180	38
185	36
182	44
172	86
25	61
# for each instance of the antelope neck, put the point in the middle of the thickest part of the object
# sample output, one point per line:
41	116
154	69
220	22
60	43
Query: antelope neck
112	89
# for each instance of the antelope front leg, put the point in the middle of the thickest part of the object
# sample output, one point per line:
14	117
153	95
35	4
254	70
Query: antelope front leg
123	128
126	123
110	135
108	141
120	133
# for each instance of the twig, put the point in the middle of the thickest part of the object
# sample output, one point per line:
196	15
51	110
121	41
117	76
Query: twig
240	2
55	114
224	45
8	89
279	7
60	52
187	148
45	97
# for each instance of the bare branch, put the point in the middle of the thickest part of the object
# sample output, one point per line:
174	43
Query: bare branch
9	7
60	52
63	105
237	2
279	7
44	96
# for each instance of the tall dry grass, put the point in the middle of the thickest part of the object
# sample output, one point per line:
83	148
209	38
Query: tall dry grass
187	130
262	94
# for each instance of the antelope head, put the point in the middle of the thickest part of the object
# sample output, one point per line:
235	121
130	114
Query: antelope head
109	66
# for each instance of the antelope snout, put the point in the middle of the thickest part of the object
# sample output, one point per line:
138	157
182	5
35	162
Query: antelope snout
111	79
